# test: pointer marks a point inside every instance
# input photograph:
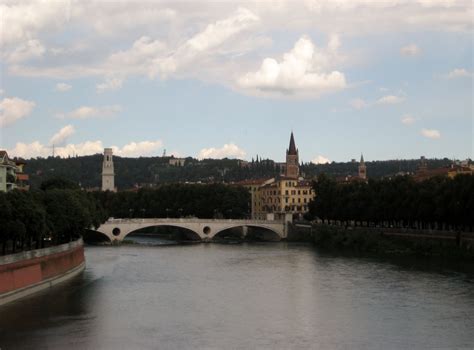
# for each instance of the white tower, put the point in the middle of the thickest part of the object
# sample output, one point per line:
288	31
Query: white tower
362	168
108	171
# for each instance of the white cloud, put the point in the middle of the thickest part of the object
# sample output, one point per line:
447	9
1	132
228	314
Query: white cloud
230	150
410	50
431	133
37	149
86	112
358	103
26	19
218	32
63	87
139	57
13	109
320	160
110	84
407	119
204	44
215	42
137	149
62	135
303	70
26	51
390	100
459	73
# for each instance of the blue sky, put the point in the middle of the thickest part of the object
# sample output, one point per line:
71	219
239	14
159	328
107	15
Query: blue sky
391	79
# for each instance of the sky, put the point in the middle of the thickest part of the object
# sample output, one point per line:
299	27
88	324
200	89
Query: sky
390	79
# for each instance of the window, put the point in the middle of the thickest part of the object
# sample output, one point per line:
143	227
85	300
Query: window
286	192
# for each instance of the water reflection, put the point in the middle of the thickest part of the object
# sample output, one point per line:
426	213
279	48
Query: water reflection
261	295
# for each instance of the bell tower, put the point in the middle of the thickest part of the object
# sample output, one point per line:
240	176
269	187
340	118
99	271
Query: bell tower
108	175
362	168
292	160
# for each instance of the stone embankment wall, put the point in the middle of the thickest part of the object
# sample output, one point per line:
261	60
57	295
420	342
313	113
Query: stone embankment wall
28	272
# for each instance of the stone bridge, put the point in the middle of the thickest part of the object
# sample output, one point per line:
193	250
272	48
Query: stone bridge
205	229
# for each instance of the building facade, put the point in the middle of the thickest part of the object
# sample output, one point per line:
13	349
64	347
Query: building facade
11	174
108	175
282	196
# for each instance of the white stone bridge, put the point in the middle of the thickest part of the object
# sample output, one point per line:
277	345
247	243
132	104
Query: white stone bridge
204	229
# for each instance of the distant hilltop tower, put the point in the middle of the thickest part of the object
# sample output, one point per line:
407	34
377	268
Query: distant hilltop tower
362	168
292	160
108	175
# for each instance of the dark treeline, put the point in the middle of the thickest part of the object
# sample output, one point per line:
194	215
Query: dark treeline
437	203
153	171
59	211
52	215
179	200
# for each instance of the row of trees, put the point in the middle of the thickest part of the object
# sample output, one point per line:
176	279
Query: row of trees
60	211
57	215
436	203
178	200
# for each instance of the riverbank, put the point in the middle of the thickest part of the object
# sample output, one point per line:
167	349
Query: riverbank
388	241
29	272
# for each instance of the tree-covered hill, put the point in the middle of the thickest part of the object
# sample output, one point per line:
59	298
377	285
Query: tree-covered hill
151	171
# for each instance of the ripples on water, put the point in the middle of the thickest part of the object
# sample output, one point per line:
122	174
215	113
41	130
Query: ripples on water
248	296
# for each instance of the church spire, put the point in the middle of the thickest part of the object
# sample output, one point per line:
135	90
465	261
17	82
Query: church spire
362	159
292	149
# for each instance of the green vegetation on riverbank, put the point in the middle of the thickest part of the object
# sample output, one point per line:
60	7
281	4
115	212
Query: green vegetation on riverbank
438	203
377	241
178	200
56	214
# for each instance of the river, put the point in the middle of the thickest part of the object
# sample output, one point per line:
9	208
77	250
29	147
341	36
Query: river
246	296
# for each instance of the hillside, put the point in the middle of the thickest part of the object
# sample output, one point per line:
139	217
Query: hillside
150	171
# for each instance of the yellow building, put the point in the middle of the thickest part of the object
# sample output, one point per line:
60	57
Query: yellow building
284	195
287	194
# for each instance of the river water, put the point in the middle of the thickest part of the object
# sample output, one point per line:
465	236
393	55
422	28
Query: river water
246	296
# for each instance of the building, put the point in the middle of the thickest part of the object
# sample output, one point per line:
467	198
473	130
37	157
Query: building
11	174
283	196
362	168
292	169
177	161
108	175
22	179
361	175
424	173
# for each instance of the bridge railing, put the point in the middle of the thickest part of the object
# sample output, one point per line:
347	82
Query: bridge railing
188	221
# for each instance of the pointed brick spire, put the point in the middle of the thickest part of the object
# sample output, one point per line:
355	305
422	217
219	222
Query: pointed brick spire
292	149
362	159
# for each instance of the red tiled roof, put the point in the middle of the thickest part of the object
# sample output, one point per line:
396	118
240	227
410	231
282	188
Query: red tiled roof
22	177
251	182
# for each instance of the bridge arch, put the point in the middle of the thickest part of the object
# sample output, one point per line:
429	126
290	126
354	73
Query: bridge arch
189	233
94	236
272	234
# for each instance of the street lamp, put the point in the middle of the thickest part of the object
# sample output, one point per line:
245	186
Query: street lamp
167	212
180	210
130	211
